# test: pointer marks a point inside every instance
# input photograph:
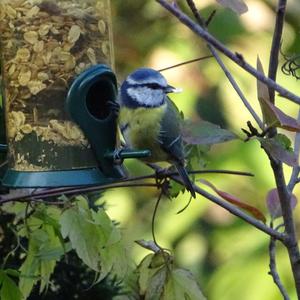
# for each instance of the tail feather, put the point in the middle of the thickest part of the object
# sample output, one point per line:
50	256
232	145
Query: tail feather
185	177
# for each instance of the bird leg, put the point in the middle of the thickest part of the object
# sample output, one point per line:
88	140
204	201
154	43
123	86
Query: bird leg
160	174
161	177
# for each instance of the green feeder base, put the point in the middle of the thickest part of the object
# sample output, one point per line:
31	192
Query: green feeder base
51	179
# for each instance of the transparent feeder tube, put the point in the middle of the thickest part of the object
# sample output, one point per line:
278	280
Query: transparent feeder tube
44	46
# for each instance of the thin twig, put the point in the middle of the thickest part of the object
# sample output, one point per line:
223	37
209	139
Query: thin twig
276	43
231	208
71	191
25	196
223	67
196	13
287	213
154	216
236	87
273	268
3	163
237	58
210	17
56	192
185	63
291	242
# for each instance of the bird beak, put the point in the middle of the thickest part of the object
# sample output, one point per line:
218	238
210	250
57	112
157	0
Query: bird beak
171	89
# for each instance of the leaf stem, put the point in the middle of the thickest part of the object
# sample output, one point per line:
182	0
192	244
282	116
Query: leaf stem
154	216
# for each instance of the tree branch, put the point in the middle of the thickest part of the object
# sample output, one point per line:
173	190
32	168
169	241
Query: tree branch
276	43
223	67
290	240
273	268
23	195
237	58
229	207
236	87
196	13
283	192
287	213
47	193
36	197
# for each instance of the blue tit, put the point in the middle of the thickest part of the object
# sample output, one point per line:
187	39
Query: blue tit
150	120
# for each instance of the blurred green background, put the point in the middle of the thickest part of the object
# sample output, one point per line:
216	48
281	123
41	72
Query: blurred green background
228	256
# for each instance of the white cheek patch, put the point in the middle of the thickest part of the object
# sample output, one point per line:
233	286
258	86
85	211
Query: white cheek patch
146	96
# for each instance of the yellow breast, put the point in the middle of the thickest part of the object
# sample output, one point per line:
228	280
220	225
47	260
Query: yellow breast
142	127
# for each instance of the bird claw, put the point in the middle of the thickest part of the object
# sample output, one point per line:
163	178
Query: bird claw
114	107
118	160
160	175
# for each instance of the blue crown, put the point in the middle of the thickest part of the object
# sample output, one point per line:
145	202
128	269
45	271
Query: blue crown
141	77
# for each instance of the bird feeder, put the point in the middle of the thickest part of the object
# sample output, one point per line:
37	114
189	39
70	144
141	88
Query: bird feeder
52	51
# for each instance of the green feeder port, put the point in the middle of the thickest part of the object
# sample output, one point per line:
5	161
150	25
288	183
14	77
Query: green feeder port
53	53
91	103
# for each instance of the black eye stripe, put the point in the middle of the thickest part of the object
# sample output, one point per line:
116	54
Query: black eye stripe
153	85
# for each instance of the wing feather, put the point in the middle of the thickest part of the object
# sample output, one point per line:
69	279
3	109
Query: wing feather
170	134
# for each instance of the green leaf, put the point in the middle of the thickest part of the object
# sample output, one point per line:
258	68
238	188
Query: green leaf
45	248
95	239
49	253
29	269
77	224
12	273
156	285
16	208
50	216
279	148
238	6
196	156
110	233
46	270
205	133
159	259
175	189
181	285
153	271
147	272
9	289
114	260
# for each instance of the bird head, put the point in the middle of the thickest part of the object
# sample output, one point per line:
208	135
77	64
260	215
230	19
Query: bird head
145	87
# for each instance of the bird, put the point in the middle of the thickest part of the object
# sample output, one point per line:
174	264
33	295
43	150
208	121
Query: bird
149	119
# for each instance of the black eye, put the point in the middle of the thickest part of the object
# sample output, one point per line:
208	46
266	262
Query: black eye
154	86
